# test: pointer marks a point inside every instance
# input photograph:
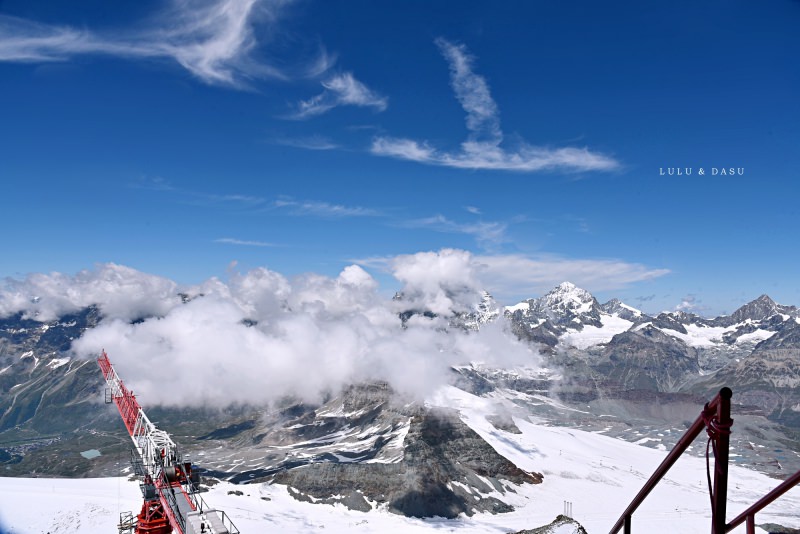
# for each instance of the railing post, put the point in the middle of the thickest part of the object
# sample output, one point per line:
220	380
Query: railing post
721	454
627	524
751	524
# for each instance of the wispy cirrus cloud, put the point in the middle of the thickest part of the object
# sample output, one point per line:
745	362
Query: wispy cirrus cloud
152	183
199	198
323	209
340	90
486	233
255	203
243	242
472	92
222	201
314	142
536	274
482	149
514	277
212	39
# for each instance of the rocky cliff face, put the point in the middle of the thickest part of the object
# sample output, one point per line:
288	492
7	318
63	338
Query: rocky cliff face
446	469
760	309
40	381
622	310
769	377
647	359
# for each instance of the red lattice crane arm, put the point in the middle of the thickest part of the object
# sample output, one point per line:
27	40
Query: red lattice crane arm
168	488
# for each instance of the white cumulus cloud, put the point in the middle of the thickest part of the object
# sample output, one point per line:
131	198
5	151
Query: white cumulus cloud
514	277
119	291
260	336
442	282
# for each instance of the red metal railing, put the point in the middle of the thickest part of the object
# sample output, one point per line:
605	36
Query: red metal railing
749	515
716	419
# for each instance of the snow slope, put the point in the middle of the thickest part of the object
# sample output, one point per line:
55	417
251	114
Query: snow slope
65	506
597	474
592	335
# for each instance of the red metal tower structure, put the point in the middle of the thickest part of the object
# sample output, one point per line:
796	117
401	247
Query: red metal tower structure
168	484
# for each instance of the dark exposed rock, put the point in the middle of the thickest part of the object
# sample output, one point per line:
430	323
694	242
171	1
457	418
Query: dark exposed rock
759	309
504	422
787	337
772	528
647	359
561	524
468	379
42	384
545	333
623	311
446	470
668	321
229	431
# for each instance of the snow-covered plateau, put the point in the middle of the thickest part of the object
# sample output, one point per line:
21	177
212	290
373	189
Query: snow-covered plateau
597	474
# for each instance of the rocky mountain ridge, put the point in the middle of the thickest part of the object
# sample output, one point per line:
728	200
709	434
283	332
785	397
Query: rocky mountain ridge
569	310
617	351
364	446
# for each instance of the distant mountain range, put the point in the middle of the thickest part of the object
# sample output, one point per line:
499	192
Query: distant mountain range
608	367
569	316
756	349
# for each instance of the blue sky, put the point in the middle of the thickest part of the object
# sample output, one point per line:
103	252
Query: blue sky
176	137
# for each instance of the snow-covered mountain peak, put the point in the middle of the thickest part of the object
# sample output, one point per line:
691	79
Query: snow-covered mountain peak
566	286
571	291
619	308
569	296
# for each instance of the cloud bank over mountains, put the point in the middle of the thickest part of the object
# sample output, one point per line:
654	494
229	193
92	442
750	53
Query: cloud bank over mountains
260	336
119	291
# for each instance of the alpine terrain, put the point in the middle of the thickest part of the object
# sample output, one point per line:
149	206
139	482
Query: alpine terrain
604	367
